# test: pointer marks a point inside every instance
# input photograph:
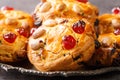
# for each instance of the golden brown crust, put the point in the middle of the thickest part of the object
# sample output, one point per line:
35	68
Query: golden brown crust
109	37
65	9
45	49
13	22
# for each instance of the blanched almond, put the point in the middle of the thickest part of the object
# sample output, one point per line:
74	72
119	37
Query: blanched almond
115	23
10	21
76	8
50	15
20	17
35	45
39	32
50	23
45	7
25	24
61	7
61	20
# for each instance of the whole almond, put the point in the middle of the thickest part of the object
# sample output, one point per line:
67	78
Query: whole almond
35	45
10	21
115	23
45	7
61	7
76	8
50	23
25	24
39	32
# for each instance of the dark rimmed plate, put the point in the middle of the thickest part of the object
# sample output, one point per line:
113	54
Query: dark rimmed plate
31	71
104	6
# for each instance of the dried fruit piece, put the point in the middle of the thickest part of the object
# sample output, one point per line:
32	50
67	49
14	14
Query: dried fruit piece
10	37
84	1
116	10
38	23
79	27
97	44
96	23
68	42
7	8
23	32
117	31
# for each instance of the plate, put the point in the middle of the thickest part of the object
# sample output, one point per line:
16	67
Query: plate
30	70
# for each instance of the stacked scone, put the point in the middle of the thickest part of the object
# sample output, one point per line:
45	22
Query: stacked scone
14	32
64	38
108	51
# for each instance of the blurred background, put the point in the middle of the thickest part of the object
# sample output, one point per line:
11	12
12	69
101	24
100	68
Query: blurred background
25	5
104	6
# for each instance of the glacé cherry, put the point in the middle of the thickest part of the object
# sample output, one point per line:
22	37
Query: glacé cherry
7	8
23	32
10	37
68	42
79	27
116	10
84	1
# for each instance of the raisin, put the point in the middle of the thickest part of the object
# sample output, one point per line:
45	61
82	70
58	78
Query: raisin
97	44
96	23
38	23
77	57
113	51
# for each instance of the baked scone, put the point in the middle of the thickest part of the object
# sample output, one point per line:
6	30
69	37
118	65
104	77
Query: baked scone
64	39
108	44
14	32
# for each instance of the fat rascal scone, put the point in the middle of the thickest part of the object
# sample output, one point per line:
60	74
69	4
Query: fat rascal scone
108	51
14	32
64	38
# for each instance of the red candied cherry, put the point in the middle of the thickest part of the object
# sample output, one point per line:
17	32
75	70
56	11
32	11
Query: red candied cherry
117	31
68	42
33	30
84	1
7	8
10	37
23	32
116	10
79	27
